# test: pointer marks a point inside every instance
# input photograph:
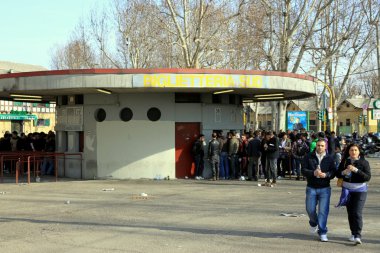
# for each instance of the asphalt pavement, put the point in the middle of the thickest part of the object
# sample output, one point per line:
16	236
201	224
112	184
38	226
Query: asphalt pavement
174	216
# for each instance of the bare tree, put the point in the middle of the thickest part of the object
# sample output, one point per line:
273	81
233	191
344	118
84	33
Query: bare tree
342	47
289	28
247	39
372	8
139	40
201	29
76	54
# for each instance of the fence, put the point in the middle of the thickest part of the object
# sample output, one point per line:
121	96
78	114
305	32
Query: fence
17	160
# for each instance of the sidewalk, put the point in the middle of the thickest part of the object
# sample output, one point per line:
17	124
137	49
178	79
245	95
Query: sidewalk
174	216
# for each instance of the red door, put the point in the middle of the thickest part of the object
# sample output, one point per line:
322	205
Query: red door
185	135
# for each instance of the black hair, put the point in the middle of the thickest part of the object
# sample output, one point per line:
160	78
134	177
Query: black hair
347	150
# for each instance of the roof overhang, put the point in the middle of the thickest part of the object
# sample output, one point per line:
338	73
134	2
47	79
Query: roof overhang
251	85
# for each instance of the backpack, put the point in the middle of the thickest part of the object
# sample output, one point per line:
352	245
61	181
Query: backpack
301	149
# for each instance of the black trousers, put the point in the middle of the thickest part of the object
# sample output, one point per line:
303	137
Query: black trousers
355	212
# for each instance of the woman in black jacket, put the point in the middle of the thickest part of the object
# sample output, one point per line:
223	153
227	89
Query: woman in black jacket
356	172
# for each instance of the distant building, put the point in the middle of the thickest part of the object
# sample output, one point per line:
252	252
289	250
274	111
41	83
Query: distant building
264	116
356	114
353	114
7	67
23	116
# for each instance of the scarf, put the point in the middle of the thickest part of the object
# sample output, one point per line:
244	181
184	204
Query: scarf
345	195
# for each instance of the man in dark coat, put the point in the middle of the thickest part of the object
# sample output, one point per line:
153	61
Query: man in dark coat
271	148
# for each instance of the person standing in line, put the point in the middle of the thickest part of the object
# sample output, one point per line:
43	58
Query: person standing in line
13	140
213	155
254	153
318	168
313	144
356	172
243	156
263	154
285	146
223	157
22	143
47	166
335	139
293	138
271	148
233	149
331	143
299	151
198	153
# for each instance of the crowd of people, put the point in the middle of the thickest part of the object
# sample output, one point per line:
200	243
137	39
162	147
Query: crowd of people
318	159
260	154
39	142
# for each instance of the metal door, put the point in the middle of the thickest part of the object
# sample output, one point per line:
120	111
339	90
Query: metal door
185	136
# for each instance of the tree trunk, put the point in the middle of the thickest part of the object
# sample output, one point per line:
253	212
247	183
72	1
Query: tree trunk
255	107
282	115
274	116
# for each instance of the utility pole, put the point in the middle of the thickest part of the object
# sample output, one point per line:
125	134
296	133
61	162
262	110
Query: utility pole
378	55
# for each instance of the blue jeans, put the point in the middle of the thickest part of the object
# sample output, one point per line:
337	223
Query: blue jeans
298	165
271	169
320	197
47	166
224	165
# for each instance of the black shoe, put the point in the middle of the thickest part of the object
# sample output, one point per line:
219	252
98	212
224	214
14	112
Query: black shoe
298	178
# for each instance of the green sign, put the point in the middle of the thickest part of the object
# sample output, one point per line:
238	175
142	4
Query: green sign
376	104
18	117
19	112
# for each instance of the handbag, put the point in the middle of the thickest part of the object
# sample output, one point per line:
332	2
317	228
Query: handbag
339	182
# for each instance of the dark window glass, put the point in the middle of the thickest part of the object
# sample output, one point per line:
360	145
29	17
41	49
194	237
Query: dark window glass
79	99
312	122
232	99
126	114
216	99
348	122
187	97
64	100
154	114
100	115
81	141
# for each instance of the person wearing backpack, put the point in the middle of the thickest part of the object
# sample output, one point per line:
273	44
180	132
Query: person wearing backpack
299	150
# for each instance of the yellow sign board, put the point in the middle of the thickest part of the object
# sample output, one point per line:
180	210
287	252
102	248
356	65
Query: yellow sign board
199	81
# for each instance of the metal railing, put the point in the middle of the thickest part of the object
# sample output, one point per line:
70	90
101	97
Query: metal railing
16	161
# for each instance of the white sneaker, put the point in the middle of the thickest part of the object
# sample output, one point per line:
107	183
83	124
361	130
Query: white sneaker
352	238
313	230
324	238
197	178
358	241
